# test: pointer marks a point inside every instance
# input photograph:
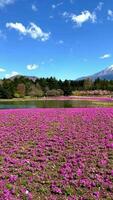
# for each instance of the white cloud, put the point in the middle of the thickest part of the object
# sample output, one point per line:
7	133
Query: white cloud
34	8
17	26
42	63
65	14
83	17
110	15
4	3
32	67
105	56
99	6
51	17
13	73
57	5
2	69
53	6
61	42
34	31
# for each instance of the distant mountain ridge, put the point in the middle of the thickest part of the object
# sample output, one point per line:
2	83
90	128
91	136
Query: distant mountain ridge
106	74
33	78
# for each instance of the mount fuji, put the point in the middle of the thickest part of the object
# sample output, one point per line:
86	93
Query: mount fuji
106	74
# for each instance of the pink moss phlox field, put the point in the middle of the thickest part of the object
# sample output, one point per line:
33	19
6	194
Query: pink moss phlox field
56	154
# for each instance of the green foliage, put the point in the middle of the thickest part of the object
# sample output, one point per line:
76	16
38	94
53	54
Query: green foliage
24	182
16	95
1	159
42	189
9	186
21	89
69	191
88	83
35	90
21	86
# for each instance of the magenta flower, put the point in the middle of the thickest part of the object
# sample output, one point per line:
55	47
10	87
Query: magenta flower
79	172
13	178
56	154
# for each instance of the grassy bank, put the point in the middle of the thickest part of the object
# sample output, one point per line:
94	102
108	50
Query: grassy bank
90	98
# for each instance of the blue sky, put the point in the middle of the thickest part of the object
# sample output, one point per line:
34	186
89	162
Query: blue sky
62	38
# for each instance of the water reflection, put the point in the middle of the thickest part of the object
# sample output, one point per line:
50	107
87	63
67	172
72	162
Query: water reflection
46	104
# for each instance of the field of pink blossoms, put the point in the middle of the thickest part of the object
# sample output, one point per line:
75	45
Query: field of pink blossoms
56	154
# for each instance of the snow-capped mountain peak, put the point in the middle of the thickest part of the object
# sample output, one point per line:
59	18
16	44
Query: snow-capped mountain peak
106	74
110	68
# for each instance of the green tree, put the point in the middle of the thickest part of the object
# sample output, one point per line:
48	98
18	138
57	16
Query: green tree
20	90
88	84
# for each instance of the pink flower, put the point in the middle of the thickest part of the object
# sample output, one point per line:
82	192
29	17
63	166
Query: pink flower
96	195
79	172
13	178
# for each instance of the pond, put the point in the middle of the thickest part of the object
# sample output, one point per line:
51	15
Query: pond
49	104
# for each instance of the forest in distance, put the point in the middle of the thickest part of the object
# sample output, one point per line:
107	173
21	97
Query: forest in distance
22	86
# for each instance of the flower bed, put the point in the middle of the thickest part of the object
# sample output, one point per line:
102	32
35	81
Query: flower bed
56	154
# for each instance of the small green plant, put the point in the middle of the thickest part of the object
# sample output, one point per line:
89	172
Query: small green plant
80	191
24	182
69	191
1	159
9	186
42	190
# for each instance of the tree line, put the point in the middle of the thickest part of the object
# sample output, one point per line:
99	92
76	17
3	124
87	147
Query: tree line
22	86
